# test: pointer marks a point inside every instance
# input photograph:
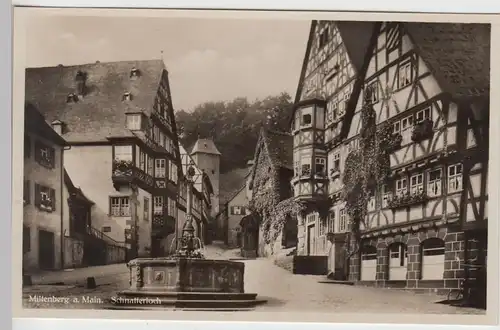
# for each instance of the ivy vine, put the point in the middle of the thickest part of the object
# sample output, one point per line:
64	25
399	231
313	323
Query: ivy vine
366	169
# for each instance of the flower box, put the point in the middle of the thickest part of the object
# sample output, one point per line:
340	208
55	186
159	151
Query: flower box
422	130
46	205
394	142
407	200
122	167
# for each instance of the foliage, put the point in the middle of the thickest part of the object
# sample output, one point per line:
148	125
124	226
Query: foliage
233	125
407	199
367	168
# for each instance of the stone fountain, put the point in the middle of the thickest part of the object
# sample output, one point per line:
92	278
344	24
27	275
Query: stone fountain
186	280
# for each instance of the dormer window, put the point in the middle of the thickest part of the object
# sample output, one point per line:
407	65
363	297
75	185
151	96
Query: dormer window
127	96
134	72
71	98
57	126
134	121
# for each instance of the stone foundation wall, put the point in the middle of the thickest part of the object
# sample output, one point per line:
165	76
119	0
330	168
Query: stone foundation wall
454	244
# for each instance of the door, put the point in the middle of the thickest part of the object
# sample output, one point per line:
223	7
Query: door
368	263
398	264
311	240
46	250
432	259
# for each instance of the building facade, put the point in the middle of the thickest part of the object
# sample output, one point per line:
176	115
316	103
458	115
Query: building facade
419	136
118	120
272	200
43	195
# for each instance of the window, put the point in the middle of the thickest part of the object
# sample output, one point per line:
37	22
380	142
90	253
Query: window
320	166
454	178
297	167
237	210
342	108
342	221
127	96
405	128
172	207
373	89
323	38
146	209
331	222
322	226
45	198
160	168
417	183
398	251
173	172
405	74
120	206
386	195
106	229
423	114
158	204
134	122
331	110
27	146
26	192
44	155
142	160
336	161
123	153
305	169
150	165
306	119
434	183
311	218
401	187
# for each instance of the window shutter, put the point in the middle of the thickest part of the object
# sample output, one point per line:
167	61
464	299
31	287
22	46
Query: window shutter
231	210
27	192
37	194
243	210
52	157
53	199
37	151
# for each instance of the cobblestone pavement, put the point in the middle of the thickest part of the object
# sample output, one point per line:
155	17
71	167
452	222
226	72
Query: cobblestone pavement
283	290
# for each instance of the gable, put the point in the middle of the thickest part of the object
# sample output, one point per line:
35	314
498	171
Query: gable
335	57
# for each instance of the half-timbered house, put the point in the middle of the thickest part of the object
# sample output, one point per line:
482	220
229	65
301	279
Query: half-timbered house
428	83
329	86
118	120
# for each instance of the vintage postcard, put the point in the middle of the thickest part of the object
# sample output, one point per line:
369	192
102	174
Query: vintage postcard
254	166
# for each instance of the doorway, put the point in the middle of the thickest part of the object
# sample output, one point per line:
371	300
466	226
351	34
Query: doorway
311	240
46	250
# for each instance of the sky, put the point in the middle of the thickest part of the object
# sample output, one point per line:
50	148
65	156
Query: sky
207	59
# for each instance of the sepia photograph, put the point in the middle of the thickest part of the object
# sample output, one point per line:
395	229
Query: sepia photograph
254	165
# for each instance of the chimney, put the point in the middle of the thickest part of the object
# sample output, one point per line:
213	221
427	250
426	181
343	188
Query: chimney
81	79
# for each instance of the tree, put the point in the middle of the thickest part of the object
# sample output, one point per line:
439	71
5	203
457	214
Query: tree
234	126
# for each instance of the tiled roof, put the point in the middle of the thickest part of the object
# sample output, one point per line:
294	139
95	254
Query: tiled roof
206	146
356	36
101	112
458	54
35	122
230	182
280	148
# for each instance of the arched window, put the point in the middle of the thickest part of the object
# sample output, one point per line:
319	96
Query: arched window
432	256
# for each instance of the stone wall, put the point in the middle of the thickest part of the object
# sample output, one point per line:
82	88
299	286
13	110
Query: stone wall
454	244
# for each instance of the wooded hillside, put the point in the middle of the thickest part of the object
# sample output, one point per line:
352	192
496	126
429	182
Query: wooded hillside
234	126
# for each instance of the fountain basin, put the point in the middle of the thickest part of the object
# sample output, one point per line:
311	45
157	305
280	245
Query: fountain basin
186	283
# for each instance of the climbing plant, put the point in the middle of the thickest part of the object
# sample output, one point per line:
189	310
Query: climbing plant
366	169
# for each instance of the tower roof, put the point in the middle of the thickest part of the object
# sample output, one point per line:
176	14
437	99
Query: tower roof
206	146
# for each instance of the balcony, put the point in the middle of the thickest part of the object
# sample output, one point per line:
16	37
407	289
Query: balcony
163	224
125	172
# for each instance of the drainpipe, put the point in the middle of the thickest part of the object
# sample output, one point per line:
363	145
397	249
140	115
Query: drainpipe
62	208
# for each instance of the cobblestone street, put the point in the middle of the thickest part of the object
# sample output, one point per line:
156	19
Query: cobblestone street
283	291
